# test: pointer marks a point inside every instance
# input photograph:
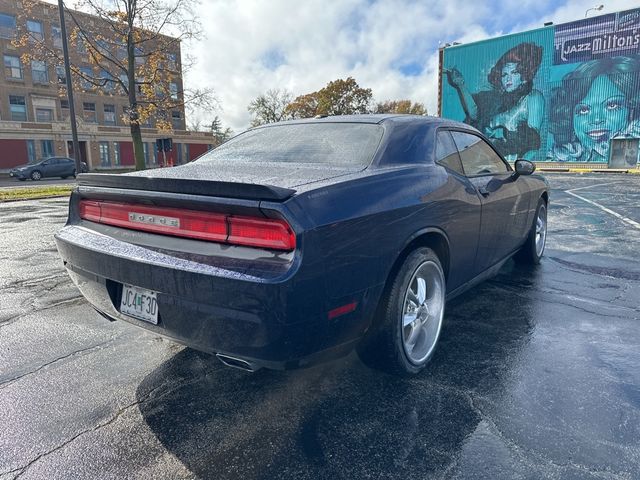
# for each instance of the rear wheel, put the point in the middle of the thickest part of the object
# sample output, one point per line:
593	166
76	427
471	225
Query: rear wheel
533	249
36	175
410	317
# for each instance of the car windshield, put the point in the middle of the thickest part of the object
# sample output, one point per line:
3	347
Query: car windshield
336	144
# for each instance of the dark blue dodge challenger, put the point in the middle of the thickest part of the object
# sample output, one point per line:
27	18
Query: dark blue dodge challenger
300	241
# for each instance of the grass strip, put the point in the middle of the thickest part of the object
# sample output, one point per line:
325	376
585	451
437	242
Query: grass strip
9	194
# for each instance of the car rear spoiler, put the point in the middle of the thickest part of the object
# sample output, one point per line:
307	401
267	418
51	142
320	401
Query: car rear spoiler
185	185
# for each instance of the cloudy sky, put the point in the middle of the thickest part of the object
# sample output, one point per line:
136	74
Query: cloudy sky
389	46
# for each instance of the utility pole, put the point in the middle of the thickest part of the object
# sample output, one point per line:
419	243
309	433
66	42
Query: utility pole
72	109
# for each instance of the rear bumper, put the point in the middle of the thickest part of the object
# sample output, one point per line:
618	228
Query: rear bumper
270	321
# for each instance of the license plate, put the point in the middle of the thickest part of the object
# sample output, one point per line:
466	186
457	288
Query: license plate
139	303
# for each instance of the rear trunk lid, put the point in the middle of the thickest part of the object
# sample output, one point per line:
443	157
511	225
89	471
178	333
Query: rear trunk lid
268	181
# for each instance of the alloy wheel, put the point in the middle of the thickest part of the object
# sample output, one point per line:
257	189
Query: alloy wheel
422	312
541	230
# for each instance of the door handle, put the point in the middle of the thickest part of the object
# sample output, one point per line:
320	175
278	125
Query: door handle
483	191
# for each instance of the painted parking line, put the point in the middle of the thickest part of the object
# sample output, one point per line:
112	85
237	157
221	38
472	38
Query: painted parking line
590	186
626	220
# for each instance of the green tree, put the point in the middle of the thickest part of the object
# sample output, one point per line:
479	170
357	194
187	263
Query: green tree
270	107
401	106
339	97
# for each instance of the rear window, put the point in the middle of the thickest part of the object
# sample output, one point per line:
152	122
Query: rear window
340	144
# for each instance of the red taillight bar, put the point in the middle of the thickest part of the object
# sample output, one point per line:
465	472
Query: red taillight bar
215	227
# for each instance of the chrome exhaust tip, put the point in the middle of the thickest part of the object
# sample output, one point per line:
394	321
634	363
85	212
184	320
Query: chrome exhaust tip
236	363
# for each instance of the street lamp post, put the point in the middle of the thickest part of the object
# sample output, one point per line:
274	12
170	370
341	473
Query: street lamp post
596	8
72	110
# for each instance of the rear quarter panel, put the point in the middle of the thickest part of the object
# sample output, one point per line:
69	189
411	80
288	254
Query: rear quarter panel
360	227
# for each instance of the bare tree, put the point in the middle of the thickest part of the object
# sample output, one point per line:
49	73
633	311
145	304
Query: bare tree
132	48
220	133
270	107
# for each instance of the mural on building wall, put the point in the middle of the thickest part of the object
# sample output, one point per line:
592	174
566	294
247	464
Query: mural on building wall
598	99
499	90
510	112
560	93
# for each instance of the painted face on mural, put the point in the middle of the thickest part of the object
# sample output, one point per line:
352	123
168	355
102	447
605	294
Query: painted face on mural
511	78
600	115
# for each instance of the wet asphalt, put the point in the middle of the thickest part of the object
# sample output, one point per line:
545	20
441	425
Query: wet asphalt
537	374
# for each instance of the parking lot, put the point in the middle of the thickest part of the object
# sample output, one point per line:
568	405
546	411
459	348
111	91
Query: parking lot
537	374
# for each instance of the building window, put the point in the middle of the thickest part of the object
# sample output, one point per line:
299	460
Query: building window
35	31
56	36
139	56
64	109
177	147
39	72
116	153
18	108
102	47
7	26
81	46
124	83
12	67
44	115
89	110
109	114
121	51
47	148
86	78
105	160
176	120
173	89
108	84
31	151
171	61
145	151
61	75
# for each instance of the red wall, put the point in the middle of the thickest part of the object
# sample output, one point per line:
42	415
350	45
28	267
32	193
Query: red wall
12	153
197	149
126	153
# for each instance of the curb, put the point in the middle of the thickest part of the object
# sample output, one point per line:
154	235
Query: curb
634	171
9	200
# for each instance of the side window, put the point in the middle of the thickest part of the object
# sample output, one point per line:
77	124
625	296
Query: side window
447	153
478	158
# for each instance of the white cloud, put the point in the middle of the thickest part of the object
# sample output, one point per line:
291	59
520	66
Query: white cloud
253	45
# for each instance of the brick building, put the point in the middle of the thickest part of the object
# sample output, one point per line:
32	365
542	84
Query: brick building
34	112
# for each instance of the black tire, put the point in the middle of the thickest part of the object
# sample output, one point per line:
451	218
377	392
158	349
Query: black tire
385	345
533	249
36	175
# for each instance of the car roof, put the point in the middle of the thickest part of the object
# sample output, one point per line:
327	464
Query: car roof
375	119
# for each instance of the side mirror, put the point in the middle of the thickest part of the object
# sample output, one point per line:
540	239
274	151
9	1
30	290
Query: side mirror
524	167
